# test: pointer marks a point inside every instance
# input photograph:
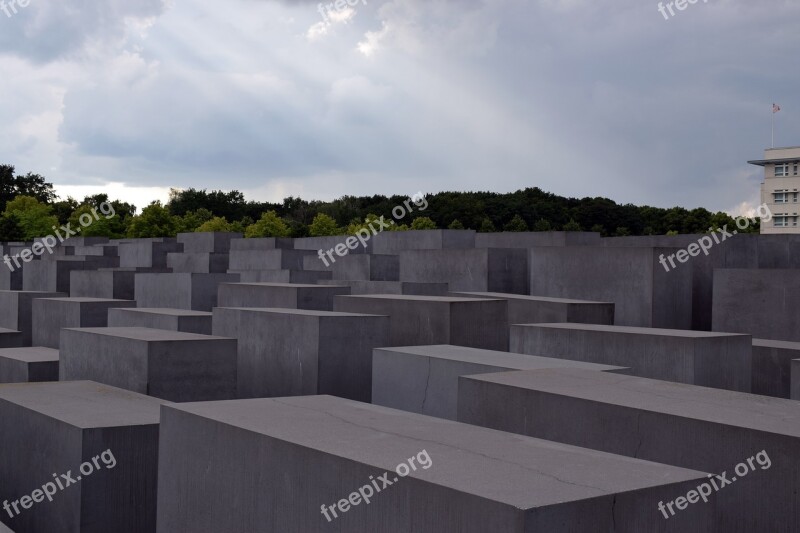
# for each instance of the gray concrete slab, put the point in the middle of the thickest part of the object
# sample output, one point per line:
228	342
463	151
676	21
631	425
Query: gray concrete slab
10	338
289	352
172	365
644	293
115	284
772	367
281	276
423	320
197	292
394	242
467	479
52	273
270	259
758	302
198	262
49	315
24	365
795	391
16	311
529	239
208	242
184	320
483	269
10	280
286	295
367	267
523	309
151	253
720	360
706	429
51	429
391	287
424	379
266	243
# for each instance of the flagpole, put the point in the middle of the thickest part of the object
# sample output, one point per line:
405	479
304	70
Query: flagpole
773	125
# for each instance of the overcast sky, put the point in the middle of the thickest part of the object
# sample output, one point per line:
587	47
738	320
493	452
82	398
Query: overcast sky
577	97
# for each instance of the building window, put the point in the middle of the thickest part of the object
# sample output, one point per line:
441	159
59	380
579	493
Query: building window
795	169
784	221
782	197
781	170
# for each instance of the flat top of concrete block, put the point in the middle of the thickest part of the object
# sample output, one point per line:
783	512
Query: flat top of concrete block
83	300
494	358
409	297
769	343
718	406
146	334
634	330
163	311
37	354
515	470
532	298
34	293
84	404
289	311
4	331
291	285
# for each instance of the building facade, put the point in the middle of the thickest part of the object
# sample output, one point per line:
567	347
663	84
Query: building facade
779	191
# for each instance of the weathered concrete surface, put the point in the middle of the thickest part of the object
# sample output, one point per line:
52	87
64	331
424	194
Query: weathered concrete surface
672	423
529	239
394	242
115	284
52	428
423	320
523	309
281	276
197	292
644	293
207	242
10	338
270	259
795	392
467	479
289	352
772	367
16	311
23	365
10	280
758	302
198	262
424	379
151	253
183	320
367	267
391	287
720	360
172	365
484	269
52	314
52	274
286	295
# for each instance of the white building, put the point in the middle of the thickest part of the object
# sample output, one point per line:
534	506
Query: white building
780	188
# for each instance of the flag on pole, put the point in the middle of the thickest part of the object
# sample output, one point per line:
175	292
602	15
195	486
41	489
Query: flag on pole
775	108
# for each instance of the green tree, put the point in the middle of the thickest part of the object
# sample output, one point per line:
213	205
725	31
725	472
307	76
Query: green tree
155	221
323	226
35	218
622	231
113	227
486	226
516	224
572	226
542	225
32	185
456	224
215	225
63	209
269	225
421	223
598	228
10	230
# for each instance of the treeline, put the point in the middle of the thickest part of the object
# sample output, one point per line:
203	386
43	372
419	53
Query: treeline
30	208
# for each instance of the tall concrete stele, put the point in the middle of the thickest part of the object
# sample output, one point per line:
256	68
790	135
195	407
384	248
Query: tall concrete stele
780	188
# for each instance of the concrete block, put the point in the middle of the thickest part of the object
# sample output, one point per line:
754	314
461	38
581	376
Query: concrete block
198	262
52	314
315	244
284	295
644	294
312	263
424	379
171	365
114	284
10	338
524	309
467	479
183	320
16	311
423	320
10	280
391	287
720	360
180	290
758	302
795	392
693	427
207	242
267	243
281	276
367	267
52	273
394	242
147	253
483	270
529	239
772	367
53	429
106	250
24	365
288	352
278	259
